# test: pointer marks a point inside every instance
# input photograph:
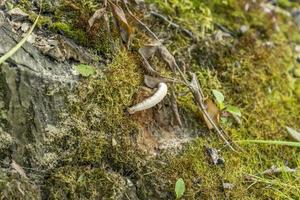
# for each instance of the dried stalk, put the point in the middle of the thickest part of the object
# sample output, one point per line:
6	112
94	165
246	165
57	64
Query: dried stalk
175	107
174	25
140	22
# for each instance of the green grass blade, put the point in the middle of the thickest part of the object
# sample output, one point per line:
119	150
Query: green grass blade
271	142
19	45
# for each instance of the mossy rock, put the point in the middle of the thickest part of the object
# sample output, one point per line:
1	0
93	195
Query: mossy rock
86	183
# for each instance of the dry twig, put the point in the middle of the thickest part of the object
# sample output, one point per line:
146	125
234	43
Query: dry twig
174	25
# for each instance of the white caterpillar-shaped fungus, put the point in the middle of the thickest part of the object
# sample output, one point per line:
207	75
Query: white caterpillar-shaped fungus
150	102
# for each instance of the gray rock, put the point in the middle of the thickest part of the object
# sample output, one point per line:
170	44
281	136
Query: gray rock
29	98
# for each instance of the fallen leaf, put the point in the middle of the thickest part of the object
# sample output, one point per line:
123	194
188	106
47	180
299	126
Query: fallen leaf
151	81
119	15
97	15
293	133
168	57
228	186
18	168
146	52
277	170
213	111
214	156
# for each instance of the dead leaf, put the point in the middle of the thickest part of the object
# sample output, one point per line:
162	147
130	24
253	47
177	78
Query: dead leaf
152	82
277	170
293	133
97	15
18	168
228	186
168	57
213	111
146	52
125	28
214	156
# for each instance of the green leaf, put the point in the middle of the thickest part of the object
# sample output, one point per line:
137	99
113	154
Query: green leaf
234	110
85	70
219	96
179	188
81	178
293	133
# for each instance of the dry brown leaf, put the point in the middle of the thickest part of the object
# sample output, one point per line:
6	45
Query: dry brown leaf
97	15
213	111
125	28
168	57
277	170
146	52
18	168
152	82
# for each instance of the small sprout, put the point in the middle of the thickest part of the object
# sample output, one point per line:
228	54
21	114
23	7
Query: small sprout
179	188
85	70
234	110
81	178
219	98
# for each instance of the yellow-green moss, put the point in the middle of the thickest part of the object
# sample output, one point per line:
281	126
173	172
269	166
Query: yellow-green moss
253	75
252	70
14	186
85	183
99	132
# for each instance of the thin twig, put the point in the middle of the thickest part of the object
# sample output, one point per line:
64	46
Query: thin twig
175	107
140	22
174	25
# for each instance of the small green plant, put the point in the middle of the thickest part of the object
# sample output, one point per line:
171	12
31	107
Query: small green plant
85	70
20	44
271	142
219	97
179	188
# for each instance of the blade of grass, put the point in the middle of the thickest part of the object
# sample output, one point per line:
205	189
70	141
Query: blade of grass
19	45
271	142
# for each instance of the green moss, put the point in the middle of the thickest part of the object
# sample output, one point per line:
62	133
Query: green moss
67	29
252	75
98	117
81	182
252	71
194	15
13	186
85	183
